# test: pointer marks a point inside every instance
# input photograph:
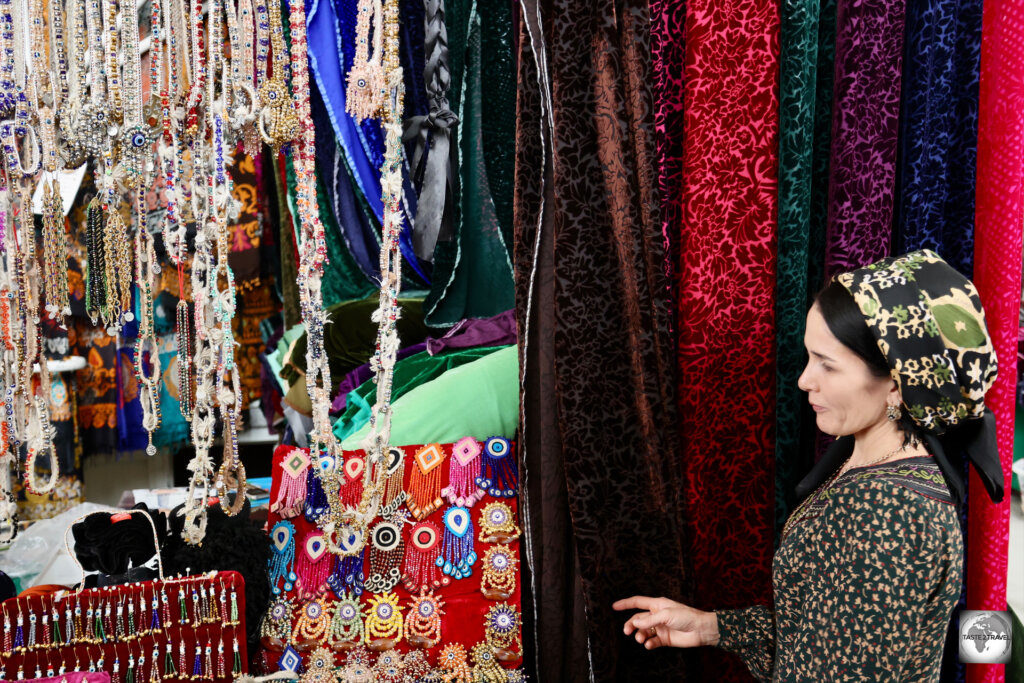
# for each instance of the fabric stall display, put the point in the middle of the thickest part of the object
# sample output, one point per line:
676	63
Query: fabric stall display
598	429
438	581
999	213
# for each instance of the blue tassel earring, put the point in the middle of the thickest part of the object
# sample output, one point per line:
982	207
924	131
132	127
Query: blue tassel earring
457	556
282	560
499	473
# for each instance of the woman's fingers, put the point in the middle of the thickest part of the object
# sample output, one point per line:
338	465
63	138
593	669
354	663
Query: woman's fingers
636	602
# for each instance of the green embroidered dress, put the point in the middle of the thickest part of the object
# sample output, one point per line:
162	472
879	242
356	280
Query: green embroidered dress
865	582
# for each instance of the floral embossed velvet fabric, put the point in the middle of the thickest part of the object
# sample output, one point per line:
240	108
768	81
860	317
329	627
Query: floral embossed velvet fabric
864	582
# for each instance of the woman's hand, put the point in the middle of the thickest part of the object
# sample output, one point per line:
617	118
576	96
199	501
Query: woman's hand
665	622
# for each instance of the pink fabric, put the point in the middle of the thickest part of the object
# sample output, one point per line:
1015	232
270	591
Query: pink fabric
997	274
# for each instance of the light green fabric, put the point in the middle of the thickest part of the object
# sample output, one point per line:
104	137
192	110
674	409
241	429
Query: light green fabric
479	399
411	372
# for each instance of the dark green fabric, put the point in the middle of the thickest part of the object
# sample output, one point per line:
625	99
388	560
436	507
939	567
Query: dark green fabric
472	275
498	125
822	144
1015	667
410	373
797	91
350	337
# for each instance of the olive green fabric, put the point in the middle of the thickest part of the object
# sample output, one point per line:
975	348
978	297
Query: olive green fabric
479	399
410	373
350	337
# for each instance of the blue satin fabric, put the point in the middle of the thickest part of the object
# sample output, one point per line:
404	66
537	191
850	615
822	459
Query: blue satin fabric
330	34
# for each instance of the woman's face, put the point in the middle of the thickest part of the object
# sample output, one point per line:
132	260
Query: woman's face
846	397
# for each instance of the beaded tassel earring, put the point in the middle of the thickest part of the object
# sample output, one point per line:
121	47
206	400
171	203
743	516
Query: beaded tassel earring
464	464
452	661
499	474
420	569
277	622
387	548
314	619
424	492
415	665
457	555
388	668
485	667
346	629
423	620
316	500
347	575
499	579
351	489
497	524
394	491
292	492
281	565
313	565
19	633
383	628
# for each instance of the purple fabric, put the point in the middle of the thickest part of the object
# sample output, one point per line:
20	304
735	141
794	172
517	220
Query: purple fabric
363	373
865	124
497	330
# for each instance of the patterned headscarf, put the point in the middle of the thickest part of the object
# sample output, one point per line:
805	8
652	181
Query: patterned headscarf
929	324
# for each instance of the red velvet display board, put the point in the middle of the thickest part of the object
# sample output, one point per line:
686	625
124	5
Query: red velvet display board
78	654
464	607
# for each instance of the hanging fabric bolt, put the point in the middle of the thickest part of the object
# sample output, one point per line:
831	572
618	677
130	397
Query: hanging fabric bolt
424	492
282	560
292	492
457	556
463	466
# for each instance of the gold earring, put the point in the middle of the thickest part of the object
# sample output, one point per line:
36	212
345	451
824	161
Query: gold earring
893	413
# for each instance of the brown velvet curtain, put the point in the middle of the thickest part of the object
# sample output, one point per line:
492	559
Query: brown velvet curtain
601	475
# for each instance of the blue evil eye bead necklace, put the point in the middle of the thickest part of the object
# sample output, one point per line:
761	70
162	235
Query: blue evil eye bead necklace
281	566
499	474
347	620
316	504
457	555
348	568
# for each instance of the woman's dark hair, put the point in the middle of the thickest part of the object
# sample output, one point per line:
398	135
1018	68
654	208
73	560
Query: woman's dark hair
847	324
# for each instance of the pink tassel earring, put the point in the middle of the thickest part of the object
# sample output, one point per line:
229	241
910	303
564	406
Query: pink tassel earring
313	566
292	494
463	468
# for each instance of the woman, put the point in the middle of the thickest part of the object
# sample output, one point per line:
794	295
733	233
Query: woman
869	565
